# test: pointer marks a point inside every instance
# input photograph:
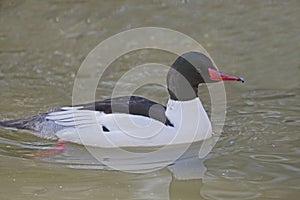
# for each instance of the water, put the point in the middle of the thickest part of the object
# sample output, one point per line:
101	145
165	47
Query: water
42	44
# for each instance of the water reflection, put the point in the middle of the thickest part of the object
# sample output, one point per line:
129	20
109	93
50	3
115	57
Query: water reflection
187	167
152	185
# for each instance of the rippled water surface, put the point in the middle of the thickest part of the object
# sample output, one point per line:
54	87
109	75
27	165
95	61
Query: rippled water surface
42	44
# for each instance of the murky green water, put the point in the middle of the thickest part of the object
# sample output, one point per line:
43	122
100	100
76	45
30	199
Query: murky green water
42	44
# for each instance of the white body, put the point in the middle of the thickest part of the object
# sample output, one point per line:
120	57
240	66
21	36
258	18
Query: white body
189	118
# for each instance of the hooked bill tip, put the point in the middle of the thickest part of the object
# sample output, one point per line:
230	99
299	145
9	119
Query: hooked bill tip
241	79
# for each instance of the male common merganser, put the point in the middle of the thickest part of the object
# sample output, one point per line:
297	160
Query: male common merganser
136	121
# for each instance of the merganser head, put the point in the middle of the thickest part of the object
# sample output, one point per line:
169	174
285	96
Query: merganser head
191	69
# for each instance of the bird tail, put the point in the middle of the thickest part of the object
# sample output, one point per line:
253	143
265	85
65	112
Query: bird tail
2	123
16	123
29	123
38	124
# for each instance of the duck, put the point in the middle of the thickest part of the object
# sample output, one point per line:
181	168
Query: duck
135	121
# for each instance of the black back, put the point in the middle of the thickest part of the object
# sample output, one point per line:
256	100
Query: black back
131	105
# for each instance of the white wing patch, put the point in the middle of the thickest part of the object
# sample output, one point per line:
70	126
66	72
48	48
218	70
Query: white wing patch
71	108
72	116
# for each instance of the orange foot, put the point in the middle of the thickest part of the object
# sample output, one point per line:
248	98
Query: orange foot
60	146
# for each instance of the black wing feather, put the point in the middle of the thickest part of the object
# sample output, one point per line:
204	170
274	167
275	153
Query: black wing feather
134	105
